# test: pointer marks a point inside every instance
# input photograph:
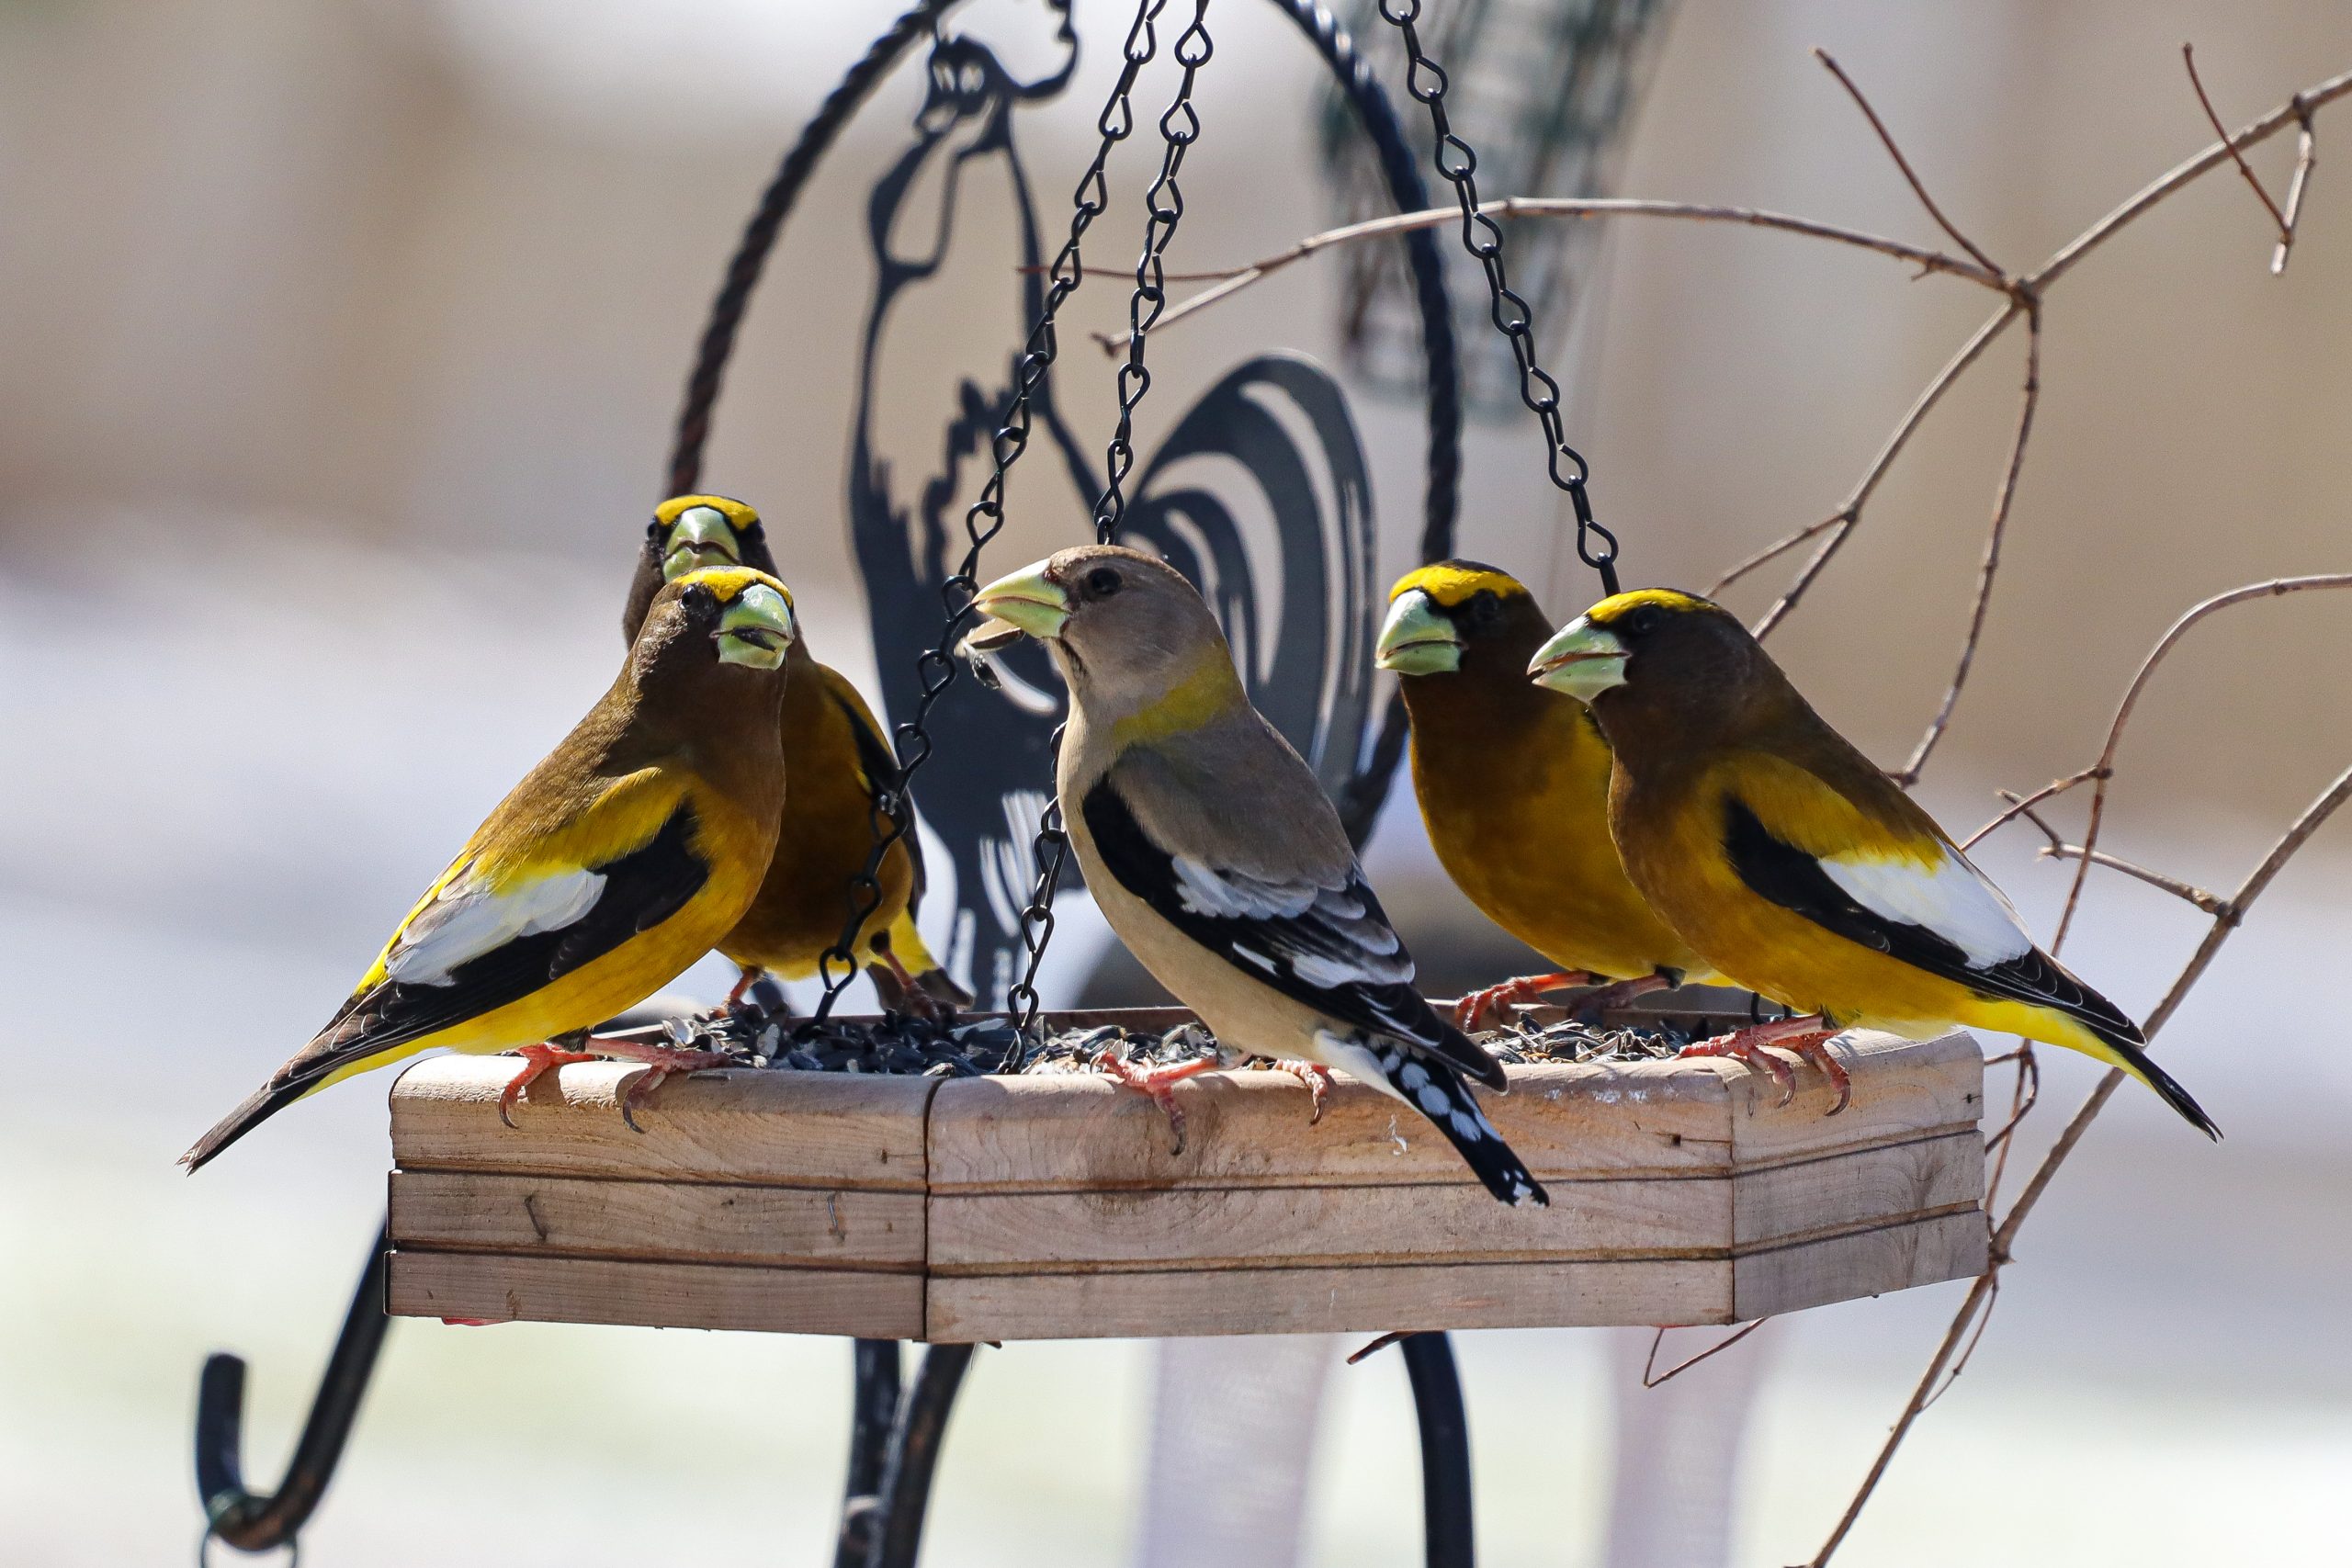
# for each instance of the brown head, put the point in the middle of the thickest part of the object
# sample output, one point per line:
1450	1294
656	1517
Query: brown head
687	533
1662	669
1132	637
1462	630
713	646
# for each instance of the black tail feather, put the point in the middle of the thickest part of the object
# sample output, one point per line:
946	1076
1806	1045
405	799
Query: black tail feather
2140	1066
1434	1088
258	1107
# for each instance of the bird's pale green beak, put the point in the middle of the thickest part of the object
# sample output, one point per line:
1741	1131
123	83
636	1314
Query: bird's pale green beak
757	628
1027	600
700	537
1581	660
1417	639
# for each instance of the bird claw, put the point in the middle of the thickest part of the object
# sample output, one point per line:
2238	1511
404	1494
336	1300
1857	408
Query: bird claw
536	1059
1748	1047
661	1062
1158	1082
1493	999
1315	1076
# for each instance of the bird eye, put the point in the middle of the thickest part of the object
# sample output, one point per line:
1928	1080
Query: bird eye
655	529
1103	582
1643	620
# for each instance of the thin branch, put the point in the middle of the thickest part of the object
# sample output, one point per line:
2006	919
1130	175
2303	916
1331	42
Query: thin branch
1649	1364
2286	229
2005	1235
1968	1351
2020	805
1886	140
2213	904
2002	501
2306	156
2104	769
1229	281
1773	552
1851	512
2035	285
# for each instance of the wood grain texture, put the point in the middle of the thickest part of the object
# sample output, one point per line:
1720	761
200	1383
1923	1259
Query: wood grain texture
1862	1263
1312	1301
678	1221
500	1289
1050	1205
757	1126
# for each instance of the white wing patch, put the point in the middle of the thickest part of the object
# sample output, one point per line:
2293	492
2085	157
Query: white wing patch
1952	899
1325	933
468	918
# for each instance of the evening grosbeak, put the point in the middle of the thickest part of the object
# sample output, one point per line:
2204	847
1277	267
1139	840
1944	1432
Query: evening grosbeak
1513	785
615	864
1796	867
1216	858
843	773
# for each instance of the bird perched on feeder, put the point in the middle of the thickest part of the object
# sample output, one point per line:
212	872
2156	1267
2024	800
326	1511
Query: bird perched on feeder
617	862
844	771
1218	859
1513	786
1795	866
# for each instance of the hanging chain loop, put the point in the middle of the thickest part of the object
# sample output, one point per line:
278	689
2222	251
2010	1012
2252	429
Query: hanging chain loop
1483	237
936	667
1179	129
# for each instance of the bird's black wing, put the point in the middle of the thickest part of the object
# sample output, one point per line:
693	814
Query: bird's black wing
1331	947
1796	880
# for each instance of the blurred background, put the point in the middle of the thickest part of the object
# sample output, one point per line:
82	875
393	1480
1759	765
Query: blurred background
339	347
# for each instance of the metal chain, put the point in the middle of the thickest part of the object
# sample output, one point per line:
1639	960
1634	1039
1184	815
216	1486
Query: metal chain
1483	237
1179	129
935	667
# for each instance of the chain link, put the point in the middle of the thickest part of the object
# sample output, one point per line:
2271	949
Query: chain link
935	667
1483	237
1179	129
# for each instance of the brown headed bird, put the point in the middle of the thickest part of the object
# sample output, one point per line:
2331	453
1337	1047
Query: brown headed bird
1216	858
1513	786
610	869
843	773
1792	864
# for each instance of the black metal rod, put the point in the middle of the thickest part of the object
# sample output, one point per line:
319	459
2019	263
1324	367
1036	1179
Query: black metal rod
914	1457
873	1415
1445	1449
257	1521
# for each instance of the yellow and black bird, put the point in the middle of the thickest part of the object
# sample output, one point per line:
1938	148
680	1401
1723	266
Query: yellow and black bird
1513	785
1218	859
1792	864
617	862
844	772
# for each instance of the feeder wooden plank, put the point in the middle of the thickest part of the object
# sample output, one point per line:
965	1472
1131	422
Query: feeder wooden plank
1914	1180
679	1222
1311	1301
1902	1089
780	1128
502	1289
1862	1263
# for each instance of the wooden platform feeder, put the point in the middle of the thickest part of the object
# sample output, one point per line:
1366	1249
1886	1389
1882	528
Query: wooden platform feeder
1049	1206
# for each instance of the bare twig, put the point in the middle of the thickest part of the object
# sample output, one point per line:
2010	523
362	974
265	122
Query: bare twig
2020	804
1229	281
2002	501
1649	1365
1773	552
2286	229
2103	770
1886	140
2005	1235
2035	285
2306	155
1849	514
2213	904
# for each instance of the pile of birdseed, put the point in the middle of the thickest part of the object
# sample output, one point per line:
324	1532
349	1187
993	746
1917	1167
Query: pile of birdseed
967	1047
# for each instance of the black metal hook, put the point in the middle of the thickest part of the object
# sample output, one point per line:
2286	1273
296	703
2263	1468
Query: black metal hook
874	1416
1445	1449
914	1457
257	1521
